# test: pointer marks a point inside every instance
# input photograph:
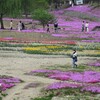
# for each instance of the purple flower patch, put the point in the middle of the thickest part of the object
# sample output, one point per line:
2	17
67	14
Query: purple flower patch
87	76
8	82
60	77
60	85
94	89
5	86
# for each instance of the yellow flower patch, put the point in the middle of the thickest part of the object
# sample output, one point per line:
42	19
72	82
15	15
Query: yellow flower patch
54	49
59	49
31	48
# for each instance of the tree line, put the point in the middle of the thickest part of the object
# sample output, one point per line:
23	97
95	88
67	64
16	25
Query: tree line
16	8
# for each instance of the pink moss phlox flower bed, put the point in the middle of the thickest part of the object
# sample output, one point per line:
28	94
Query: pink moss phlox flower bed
81	8
5	86
82	78
59	77
60	85
8	82
85	9
75	24
91	88
86	76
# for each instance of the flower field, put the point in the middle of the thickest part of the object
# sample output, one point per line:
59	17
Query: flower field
53	76
64	49
70	82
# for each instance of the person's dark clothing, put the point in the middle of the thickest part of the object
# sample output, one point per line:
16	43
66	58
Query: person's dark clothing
23	26
56	26
48	30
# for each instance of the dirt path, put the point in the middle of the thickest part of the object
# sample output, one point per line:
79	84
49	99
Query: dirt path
16	64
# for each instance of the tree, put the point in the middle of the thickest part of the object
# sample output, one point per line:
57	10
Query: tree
57	3
40	4
16	8
43	16
9	7
29	6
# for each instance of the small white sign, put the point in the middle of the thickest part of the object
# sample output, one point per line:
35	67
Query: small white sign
78	2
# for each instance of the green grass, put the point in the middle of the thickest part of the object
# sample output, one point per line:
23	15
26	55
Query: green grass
0	98
63	50
60	53
94	46
68	91
49	97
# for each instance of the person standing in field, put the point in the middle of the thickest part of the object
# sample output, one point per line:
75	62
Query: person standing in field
23	26
19	26
56	27
86	27
71	3
83	26
48	29
11	25
74	59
